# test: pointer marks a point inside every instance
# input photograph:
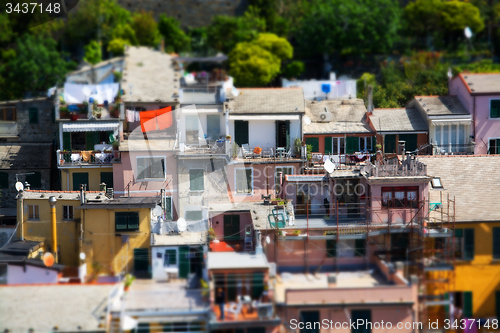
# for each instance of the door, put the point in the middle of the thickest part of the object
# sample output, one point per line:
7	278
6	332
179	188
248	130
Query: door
365	315
410	141
390	143
80	178
91	139
309	317
231	227
184	262
241	132
213	126
196	264
141	262
283	134
352	145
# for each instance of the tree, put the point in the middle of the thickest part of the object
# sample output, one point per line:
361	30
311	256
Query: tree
176	40
93	53
34	66
457	15
257	62
348	27
146	29
124	32
293	69
422	20
117	46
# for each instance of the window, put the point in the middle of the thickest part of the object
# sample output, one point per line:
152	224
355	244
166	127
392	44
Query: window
314	142
495	108
334	146
80	178
213	126
244	181
126	221
436	183
33	212
170	258
232	227
167	208
331	248
8	113
33	115
34	178
4	180
310	320
150	168
194	215
365	144
451	138
351	145
390	143
241	132
67	212
411	141
496	243
359	247
400	197
196	180
107	178
494	146
464	244
366	316
192	135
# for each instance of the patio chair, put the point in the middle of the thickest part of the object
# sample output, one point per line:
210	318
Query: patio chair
288	154
234	309
267	152
247	153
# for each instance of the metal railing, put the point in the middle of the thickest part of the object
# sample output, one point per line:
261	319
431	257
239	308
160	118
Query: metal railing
453	149
89	157
409	167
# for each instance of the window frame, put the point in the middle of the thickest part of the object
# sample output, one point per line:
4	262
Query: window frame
128	229
489	109
497	145
392	201
3	114
276	174
137	173
364	140
165	215
169	264
66	215
236	191
34	217
202	180
35	111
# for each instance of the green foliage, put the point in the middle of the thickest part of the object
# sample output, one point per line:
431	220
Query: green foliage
482	66
93	53
126	33
348	27
34	65
256	63
176	40
456	15
117	46
293	69
199	42
146	29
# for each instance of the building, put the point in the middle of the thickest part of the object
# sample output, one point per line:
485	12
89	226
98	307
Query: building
480	95
319	90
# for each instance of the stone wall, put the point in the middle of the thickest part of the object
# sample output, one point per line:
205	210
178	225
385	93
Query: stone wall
191	13
45	130
8	195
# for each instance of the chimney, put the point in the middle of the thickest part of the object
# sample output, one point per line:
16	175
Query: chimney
370	99
83	194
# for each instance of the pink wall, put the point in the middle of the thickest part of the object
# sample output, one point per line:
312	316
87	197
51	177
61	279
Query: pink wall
30	275
485	128
218	223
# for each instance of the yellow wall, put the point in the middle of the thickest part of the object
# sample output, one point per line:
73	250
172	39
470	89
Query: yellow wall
94	177
41	230
103	249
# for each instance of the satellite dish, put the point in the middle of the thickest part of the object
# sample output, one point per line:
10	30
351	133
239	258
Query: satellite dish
19	186
235	92
48	259
181	225
268	240
467	32
157	211
329	166
82	256
307	120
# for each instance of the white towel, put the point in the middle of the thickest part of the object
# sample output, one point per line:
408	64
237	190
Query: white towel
130	116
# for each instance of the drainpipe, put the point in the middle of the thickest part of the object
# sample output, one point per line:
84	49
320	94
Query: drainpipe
21	214
227	121
52	202
474	120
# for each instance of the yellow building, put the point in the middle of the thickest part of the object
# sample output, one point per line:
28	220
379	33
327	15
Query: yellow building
92	176
473	182
116	235
34	221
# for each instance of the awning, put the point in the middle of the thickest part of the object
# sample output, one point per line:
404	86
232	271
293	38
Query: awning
260	117
444	122
91	126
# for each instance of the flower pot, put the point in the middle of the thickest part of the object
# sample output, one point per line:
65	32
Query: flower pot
74	117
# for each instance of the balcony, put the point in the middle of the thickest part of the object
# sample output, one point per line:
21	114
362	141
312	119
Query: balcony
408	168
8	129
87	158
76	112
453	149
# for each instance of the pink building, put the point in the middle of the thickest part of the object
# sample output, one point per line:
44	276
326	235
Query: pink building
480	95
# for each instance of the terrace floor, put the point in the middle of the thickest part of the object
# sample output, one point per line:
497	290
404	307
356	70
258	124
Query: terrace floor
246	313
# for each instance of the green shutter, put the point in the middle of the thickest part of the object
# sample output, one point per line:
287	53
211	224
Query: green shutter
359	245
67	141
469	244
459	232
352	145
231	227
91	139
33	115
170	257
141	262
248	175
467	311
497	304
107	178
410	141
495	108
133	221
120	221
390	143
257	285
167	205
496	243
314	142
241	132
328	146
80	178
196	180
4	180
184	262
143	328
287	134
331	248
35	180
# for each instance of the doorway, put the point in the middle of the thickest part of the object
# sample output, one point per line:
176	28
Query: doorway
283	134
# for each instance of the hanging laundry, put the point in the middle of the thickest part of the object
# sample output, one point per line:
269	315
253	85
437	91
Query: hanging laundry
156	119
78	93
164	118
137	116
148	121
130	115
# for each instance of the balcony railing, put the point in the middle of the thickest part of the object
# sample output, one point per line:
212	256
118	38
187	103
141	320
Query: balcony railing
453	149
87	157
80	111
408	168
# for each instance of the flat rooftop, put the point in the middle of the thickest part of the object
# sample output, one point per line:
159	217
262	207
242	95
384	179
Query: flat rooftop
185	238
72	308
236	260
301	281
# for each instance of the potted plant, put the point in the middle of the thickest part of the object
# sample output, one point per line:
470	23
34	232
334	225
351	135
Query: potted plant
211	234
115	111
228	137
97	113
116	145
127	282
298	145
64	112
73	116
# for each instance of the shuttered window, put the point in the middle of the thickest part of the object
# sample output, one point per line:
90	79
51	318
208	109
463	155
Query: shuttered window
469	244
390	143
495	108
314	142
150	168
331	248
241	132
329	146
80	178
496	243
167	206
196	180
467	310
34	178
194	215
170	258
4	180
33	115
126	221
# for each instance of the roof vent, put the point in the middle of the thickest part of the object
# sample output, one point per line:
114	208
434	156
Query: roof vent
469	83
